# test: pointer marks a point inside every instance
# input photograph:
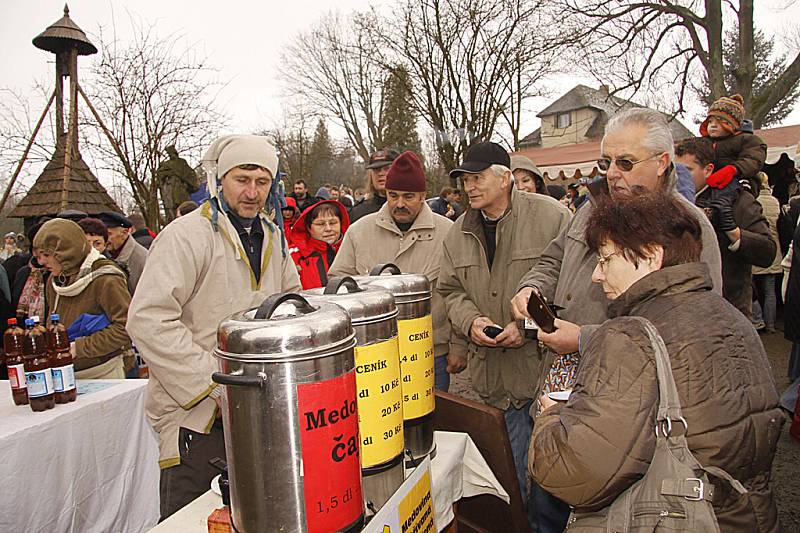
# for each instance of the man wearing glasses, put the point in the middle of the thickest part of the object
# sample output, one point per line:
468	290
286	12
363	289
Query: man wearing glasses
636	155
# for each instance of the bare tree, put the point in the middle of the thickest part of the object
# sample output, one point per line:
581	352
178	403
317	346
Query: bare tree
664	44
18	116
292	139
151	92
473	64
333	67
769	66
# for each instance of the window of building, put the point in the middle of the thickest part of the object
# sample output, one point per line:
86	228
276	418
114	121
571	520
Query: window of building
563	120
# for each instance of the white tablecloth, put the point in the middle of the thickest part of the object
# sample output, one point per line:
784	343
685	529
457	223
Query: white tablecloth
87	466
458	470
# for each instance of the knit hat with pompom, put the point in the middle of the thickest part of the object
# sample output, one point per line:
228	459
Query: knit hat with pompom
728	108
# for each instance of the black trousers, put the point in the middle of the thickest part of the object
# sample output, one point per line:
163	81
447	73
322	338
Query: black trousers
190	479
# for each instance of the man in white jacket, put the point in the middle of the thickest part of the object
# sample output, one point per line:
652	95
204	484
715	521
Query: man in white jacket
222	258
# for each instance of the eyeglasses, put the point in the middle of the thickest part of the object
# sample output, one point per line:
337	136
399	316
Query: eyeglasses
625	165
602	261
320	224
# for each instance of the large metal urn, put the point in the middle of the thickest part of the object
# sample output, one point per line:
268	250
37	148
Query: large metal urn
290	417
412	293
380	399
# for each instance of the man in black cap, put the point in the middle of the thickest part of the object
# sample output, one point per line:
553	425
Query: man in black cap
377	169
123	248
486	252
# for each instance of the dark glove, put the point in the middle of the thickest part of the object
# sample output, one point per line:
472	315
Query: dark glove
723	214
721	177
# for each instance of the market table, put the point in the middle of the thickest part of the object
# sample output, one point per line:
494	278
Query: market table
458	470
87	466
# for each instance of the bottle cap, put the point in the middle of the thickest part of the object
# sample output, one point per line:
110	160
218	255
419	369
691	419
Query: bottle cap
12	321
29	322
54	317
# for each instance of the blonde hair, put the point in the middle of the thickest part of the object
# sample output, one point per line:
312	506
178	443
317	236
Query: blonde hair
763	179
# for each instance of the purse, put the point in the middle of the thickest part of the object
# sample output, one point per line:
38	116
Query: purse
675	493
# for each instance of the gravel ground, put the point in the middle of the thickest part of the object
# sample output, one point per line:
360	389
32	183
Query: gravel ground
786	467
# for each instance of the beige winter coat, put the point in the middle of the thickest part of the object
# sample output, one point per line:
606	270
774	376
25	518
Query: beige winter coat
771	208
194	277
375	238
501	376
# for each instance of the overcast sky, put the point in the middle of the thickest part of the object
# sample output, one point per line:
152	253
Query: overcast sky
243	39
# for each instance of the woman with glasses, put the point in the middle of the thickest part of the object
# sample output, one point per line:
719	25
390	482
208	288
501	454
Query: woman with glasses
316	237
588	450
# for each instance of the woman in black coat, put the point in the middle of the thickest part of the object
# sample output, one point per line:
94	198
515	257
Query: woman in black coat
791	310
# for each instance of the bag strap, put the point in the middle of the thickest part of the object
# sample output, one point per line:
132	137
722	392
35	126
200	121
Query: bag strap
669	409
669	404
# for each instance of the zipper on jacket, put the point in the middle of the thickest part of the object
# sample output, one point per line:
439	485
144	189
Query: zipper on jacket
663	513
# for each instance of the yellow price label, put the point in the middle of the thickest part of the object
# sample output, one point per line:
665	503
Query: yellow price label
380	402
416	509
416	364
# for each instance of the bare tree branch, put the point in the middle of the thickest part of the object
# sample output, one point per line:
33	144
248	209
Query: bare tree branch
150	92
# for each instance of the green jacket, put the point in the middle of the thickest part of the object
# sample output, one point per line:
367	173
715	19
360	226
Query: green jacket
501	376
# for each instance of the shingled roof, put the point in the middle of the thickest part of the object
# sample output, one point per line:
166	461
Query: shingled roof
581	96
84	192
64	34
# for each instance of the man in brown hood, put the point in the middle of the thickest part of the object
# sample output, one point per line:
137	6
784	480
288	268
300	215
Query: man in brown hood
83	282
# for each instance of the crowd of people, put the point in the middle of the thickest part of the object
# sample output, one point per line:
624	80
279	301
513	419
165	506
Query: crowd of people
670	238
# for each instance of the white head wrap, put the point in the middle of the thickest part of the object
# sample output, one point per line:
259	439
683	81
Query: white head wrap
230	151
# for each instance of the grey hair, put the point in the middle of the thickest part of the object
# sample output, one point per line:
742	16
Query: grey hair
500	170
657	140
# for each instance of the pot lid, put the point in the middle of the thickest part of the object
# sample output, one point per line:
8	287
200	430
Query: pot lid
406	288
285	327
365	305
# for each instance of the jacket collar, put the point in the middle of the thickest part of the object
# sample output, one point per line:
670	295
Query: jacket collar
424	219
688	277
127	249
229	233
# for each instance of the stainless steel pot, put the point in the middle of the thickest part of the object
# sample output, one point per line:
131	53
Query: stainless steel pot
412	293
290	417
380	399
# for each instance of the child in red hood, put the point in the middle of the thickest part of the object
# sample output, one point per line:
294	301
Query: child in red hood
290	213
317	235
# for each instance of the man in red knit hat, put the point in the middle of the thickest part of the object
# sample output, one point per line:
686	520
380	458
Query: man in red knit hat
407	233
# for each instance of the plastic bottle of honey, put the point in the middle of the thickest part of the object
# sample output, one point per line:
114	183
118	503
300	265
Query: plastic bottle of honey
61	361
12	344
38	377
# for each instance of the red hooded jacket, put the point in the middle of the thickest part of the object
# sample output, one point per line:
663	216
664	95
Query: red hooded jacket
314	257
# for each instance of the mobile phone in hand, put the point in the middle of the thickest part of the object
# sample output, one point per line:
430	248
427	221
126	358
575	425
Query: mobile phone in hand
492	331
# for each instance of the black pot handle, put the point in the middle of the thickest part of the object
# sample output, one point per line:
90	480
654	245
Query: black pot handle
239	381
379	269
334	284
269	305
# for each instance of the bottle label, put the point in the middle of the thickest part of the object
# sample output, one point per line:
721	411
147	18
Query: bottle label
64	378
16	375
40	383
